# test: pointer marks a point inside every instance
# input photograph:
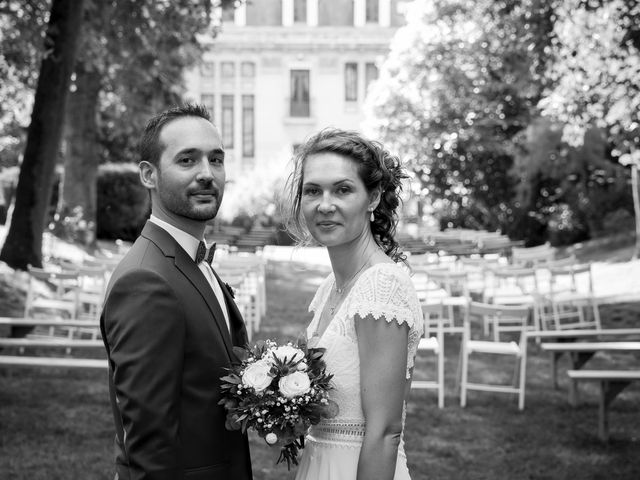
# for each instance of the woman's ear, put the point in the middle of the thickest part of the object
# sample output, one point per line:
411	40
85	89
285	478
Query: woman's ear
374	199
148	174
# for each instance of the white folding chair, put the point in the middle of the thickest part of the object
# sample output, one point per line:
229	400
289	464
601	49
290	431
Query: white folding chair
92	285
532	256
516	287
516	349
245	297
455	285
476	269
52	293
570	301
254	285
433	314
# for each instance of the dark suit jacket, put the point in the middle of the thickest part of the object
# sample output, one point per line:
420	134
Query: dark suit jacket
168	345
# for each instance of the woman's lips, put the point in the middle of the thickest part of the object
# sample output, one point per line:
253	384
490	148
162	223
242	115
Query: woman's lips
327	224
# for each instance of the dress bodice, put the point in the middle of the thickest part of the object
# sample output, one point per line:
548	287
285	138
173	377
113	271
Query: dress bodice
383	291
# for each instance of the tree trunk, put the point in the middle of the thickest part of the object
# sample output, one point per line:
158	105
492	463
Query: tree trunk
79	196
23	245
636	206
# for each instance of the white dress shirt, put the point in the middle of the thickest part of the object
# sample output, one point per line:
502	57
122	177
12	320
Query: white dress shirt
190	245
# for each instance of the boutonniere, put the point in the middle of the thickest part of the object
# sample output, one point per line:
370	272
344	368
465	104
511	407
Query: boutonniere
232	292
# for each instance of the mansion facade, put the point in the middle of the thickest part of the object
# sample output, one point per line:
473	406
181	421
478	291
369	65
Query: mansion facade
281	70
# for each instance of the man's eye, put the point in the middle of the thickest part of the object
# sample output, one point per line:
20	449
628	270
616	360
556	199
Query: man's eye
185	159
216	160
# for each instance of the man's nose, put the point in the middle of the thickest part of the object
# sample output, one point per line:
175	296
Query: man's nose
204	170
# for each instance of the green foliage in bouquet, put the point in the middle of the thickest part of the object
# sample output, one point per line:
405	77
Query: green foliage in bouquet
279	391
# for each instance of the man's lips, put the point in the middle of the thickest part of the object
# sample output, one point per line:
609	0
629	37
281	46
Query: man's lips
205	193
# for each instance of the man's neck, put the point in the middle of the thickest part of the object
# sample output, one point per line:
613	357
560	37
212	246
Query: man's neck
192	227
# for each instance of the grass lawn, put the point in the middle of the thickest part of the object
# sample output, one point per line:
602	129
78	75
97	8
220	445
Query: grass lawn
56	424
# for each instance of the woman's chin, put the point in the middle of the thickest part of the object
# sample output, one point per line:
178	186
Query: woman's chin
328	243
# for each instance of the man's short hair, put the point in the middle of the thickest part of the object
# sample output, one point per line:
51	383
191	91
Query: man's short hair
150	148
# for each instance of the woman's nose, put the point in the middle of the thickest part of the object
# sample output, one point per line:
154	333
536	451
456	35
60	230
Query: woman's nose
326	204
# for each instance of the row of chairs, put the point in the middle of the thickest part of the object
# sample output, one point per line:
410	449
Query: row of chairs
67	291
499	302
477	314
466	242
560	294
71	291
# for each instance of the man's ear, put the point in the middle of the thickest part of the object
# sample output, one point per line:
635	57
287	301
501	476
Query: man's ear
148	174
374	199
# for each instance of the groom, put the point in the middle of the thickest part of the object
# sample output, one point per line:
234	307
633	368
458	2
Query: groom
168	323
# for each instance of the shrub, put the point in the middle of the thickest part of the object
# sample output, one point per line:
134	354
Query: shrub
618	221
528	226
566	226
243	220
123	203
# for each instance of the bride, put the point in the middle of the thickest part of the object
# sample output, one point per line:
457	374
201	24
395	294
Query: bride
344	193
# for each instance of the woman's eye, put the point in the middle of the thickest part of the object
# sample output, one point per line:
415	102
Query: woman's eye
310	191
344	189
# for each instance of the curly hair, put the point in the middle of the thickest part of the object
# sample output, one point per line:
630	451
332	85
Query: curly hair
377	168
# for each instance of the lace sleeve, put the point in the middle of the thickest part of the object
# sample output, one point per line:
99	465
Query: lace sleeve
384	292
387	291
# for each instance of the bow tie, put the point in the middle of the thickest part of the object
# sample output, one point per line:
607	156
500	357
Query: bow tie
204	254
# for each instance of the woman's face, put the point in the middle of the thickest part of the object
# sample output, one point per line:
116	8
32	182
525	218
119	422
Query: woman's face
335	203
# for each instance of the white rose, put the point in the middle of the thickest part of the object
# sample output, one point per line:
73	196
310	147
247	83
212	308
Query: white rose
271	438
302	366
257	375
288	353
294	384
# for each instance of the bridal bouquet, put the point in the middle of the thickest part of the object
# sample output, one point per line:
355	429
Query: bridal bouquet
279	391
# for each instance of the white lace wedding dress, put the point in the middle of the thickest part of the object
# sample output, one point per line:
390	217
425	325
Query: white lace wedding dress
332	448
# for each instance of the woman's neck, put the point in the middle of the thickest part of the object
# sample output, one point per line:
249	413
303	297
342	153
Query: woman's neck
349	259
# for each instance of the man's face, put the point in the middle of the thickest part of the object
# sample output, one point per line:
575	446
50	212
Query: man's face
190	176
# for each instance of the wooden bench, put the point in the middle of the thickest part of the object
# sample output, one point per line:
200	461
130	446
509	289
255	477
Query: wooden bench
43	342
612	382
580	353
83	363
574	334
46	322
46	342
592	334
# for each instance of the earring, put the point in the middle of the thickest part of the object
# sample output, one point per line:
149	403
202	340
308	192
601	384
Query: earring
372	217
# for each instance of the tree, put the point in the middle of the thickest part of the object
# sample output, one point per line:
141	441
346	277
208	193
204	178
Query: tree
595	79
461	80
137	50
22	28
572	193
125	70
23	245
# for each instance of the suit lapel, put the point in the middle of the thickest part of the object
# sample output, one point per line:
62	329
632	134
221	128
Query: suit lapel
236	323
187	266
189	269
